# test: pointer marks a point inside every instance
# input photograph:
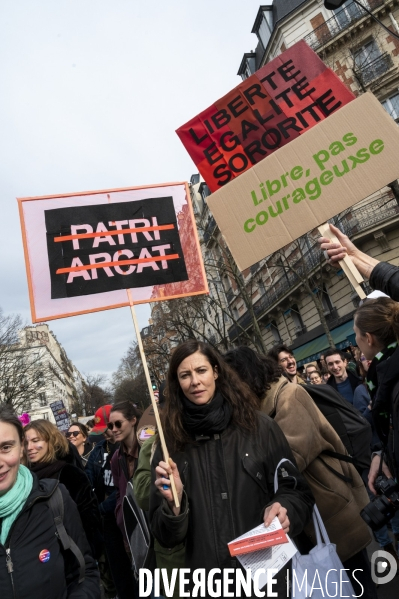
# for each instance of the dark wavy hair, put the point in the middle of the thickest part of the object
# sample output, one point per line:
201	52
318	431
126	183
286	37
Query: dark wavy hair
81	427
128	410
237	393
274	352
254	369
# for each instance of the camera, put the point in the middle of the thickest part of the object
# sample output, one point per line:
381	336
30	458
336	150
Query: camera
383	507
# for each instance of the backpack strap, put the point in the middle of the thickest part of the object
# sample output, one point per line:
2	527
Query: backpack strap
347	479
57	507
340	456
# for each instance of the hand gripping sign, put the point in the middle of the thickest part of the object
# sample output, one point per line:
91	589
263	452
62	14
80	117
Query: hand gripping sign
106	249
83	251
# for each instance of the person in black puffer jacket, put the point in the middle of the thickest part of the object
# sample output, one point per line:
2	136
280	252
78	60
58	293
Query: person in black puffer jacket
33	563
225	455
51	456
114	565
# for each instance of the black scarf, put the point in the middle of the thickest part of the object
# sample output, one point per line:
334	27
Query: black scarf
379	384
47	469
206	419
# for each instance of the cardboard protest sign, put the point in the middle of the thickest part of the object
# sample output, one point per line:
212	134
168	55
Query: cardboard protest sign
277	104
60	414
147	425
343	160
83	251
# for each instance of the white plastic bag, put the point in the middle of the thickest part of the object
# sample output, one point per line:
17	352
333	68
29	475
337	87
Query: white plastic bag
319	574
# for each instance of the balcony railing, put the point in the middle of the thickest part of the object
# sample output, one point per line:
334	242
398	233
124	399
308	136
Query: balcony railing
367	72
358	219
342	19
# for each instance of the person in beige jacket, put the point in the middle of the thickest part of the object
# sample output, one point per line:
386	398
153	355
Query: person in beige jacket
310	435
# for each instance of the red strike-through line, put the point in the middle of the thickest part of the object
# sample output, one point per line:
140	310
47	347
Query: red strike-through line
62	271
118	232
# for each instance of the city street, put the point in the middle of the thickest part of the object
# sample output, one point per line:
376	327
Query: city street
199	297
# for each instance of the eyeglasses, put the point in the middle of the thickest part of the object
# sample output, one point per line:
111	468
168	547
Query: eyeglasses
116	424
72	434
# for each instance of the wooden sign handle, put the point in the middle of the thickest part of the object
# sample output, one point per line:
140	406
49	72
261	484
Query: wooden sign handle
354	276
152	396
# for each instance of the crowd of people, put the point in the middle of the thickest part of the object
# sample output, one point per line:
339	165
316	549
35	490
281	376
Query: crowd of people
250	437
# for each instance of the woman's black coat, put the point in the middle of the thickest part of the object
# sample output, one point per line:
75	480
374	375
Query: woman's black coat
33	531
388	388
228	483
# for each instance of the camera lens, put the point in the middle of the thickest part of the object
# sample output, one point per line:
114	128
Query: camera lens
378	512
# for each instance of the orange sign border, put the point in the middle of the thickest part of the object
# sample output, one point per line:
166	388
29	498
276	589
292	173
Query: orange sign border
112	306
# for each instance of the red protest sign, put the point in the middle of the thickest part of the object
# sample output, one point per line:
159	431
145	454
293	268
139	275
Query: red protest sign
282	100
84	251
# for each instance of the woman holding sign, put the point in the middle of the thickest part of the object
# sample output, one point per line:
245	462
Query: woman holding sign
225	454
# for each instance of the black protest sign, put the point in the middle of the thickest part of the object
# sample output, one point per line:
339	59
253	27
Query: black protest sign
60	415
106	247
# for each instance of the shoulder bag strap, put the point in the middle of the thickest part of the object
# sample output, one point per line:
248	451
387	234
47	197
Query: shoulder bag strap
57	507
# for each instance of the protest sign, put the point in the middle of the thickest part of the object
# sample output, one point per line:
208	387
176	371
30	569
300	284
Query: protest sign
84	250
60	415
147	425
277	104
343	160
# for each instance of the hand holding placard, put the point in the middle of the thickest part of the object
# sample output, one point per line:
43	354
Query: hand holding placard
354	276
336	248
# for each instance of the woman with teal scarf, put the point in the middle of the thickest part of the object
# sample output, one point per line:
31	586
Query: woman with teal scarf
32	563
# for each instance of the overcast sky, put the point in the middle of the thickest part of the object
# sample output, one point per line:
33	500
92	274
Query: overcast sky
91	93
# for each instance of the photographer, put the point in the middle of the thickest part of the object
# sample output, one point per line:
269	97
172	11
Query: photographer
376	324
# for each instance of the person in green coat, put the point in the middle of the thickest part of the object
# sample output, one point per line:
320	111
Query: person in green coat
168	558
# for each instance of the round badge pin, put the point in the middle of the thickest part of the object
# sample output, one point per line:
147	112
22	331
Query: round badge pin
44	555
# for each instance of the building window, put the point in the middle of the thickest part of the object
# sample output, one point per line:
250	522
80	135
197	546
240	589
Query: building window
204	191
272	326
275	332
42	399
370	63
391	105
348	12
366	54
264	25
248	65
325	300
297	320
